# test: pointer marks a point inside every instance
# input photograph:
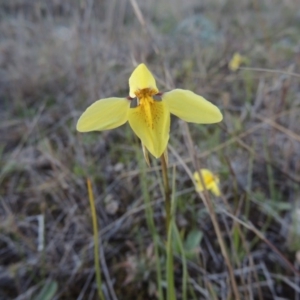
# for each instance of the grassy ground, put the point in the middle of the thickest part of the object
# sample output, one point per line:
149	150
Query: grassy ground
57	57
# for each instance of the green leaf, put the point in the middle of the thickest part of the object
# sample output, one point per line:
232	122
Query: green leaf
48	291
193	240
281	206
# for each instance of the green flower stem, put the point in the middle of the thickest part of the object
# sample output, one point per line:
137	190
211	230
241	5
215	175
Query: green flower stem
167	191
96	240
171	292
184	264
151	225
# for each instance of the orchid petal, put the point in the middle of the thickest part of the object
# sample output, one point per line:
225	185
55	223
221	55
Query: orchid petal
154	132
141	78
104	114
191	107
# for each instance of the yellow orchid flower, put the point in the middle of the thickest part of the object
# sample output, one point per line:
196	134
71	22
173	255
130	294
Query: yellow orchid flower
236	61
149	118
211	182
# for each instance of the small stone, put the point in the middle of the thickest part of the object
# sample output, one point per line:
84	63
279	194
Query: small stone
118	167
111	205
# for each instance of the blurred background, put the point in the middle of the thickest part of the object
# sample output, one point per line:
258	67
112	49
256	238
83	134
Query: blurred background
58	57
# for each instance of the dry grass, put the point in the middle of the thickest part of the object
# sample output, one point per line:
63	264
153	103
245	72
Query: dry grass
57	57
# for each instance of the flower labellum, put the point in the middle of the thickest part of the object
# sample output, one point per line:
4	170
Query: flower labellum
150	118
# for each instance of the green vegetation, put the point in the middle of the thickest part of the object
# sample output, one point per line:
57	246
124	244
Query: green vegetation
56	58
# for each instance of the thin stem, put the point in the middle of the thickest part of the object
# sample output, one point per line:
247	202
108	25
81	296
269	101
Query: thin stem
167	191
184	265
151	225
209	206
171	293
213	216
96	240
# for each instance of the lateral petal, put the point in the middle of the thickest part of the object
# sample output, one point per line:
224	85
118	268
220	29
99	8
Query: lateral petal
104	114
154	135
191	107
141	78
